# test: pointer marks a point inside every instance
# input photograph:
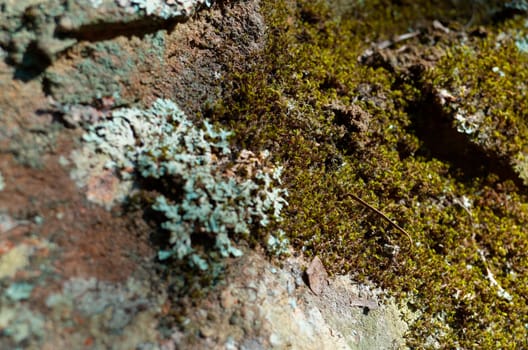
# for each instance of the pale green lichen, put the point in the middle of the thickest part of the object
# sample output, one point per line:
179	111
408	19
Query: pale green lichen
123	314
521	167
2	182
278	243
19	291
166	9
213	195
20	324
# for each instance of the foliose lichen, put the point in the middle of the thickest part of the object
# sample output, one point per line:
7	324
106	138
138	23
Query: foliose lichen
211	194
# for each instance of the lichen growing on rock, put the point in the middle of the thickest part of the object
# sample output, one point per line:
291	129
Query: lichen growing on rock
208	193
166	9
33	34
103	70
406	104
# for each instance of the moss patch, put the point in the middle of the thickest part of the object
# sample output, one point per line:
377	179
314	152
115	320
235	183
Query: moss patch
340	126
486	80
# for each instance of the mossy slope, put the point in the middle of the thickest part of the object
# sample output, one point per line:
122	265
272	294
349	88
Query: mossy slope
342	127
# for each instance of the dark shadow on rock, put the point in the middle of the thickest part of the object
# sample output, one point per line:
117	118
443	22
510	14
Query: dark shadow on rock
440	140
34	63
36	60
108	31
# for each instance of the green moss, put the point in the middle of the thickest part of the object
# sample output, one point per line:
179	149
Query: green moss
341	127
487	78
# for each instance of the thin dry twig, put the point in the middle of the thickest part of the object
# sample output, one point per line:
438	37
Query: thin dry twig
388	43
395	225
502	293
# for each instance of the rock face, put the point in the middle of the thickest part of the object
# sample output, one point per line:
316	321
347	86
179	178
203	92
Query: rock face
418	109
268	307
35	33
77	276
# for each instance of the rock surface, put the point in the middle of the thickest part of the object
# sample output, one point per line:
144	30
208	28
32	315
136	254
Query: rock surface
422	113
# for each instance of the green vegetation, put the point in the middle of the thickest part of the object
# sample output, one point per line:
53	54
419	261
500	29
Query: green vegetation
340	126
203	193
487	79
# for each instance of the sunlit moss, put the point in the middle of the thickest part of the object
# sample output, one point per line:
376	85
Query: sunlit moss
469	241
